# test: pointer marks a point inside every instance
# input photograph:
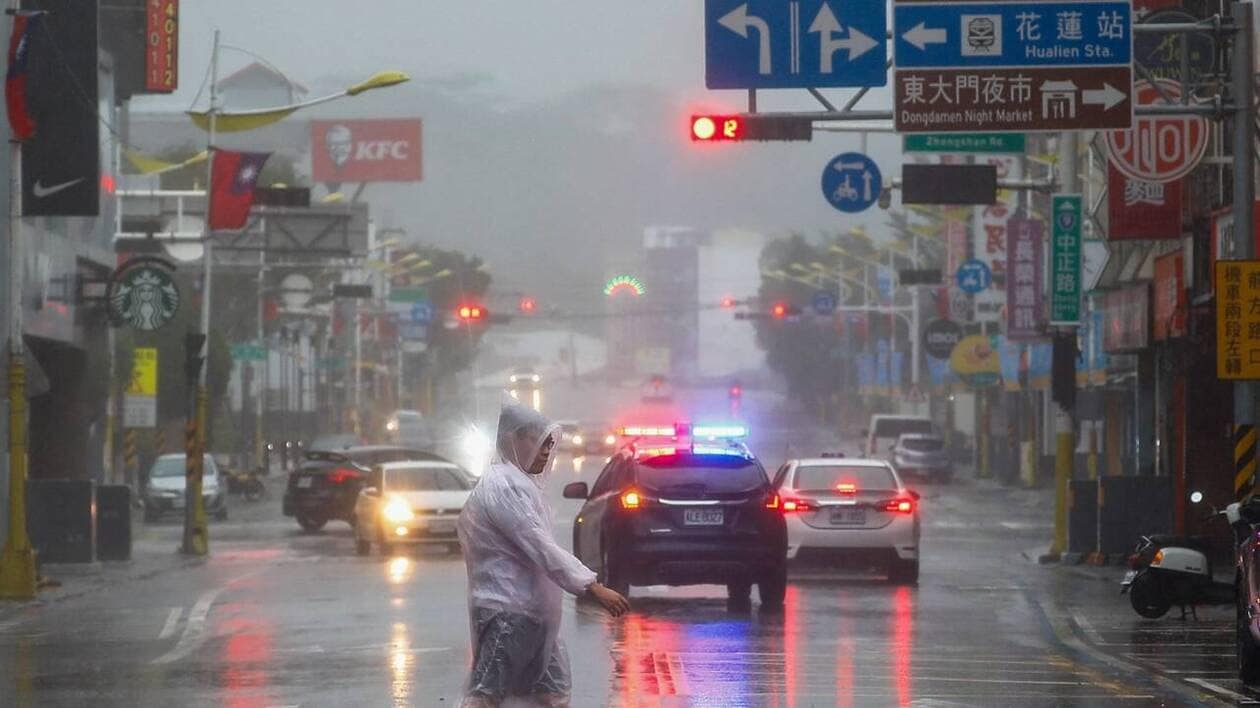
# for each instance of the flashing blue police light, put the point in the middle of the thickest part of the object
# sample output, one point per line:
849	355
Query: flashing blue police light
719	431
718	450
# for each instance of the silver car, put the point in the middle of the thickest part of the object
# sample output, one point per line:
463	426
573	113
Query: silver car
924	455
164	489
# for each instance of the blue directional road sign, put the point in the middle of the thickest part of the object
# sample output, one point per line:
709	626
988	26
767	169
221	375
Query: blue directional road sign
795	43
421	312
934	35
824	302
851	182
974	276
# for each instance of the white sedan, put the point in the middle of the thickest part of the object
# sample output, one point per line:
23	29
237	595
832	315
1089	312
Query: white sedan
850	512
412	502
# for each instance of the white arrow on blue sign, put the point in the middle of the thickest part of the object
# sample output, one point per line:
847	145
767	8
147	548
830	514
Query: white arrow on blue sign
795	44
422	312
974	276
851	182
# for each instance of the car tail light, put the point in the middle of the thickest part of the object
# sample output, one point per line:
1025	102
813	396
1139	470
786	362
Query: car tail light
791	505
901	505
341	475
846	488
773	501
631	500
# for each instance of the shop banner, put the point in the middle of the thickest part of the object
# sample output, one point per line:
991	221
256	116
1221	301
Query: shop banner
1024	287
1141	210
1170	298
1126	319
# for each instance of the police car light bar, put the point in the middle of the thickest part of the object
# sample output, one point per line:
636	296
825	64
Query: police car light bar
717	450
648	431
719	431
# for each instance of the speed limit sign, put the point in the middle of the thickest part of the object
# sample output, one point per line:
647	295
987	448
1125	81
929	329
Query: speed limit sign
1158	148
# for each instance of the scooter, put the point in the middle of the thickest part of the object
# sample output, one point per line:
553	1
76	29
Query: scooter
1176	570
248	484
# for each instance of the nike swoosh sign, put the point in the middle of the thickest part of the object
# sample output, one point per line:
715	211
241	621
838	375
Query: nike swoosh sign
41	191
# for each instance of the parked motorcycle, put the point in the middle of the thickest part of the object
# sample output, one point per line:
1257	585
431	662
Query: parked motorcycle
248	484
1169	570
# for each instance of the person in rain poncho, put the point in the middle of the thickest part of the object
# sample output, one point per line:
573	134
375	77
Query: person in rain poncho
517	573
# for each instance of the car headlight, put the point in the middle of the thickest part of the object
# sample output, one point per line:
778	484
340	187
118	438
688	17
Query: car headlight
392	426
577	439
610	439
397	511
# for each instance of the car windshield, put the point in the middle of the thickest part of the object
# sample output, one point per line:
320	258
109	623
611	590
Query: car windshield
175	467
827	478
894	427
424	479
700	474
923	444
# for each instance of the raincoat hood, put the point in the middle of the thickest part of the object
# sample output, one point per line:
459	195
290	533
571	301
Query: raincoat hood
515	420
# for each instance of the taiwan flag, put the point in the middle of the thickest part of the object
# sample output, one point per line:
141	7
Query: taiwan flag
20	121
232	180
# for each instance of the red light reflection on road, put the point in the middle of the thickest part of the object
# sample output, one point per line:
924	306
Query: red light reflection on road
246	655
791	608
844	656
902	646
644	666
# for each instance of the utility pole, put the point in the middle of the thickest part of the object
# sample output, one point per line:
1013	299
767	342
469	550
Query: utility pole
17	559
196	540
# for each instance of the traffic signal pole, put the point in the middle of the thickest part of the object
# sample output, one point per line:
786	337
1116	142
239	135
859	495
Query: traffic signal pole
196	541
1244	198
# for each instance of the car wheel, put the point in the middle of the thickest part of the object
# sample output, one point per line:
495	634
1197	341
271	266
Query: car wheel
772	587
611	575
904	572
1147	597
311	524
362	547
1247	649
739	596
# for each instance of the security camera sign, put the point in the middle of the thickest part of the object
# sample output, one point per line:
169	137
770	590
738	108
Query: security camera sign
366	150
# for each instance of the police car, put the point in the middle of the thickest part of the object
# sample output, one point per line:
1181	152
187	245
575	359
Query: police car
684	505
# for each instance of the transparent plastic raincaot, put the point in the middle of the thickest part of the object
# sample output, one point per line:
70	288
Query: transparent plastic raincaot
517	573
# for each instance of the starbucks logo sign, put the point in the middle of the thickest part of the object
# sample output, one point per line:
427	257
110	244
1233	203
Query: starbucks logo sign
142	294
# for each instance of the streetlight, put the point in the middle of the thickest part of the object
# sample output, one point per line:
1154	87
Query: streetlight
213	121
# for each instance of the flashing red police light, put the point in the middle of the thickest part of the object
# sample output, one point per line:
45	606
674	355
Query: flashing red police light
716	128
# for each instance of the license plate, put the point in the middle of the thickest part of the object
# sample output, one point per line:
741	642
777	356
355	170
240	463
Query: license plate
304	482
1128	578
848	517
440	528
702	517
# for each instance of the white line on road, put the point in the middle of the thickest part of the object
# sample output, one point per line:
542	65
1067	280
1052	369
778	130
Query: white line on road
172	621
1221	690
679	674
194	631
1086	627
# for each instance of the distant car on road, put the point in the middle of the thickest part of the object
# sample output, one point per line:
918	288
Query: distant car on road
923	455
326	485
164	489
525	385
882	433
674	512
844	512
407	427
412	502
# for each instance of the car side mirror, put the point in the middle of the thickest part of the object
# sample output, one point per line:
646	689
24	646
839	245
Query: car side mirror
371	492
576	490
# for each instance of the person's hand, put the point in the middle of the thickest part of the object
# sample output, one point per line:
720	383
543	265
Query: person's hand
613	601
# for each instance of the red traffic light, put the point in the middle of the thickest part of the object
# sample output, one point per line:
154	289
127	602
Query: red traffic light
728	302
471	313
528	305
716	128
779	311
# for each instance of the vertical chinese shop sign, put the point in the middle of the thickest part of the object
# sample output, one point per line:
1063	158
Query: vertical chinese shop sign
1023	278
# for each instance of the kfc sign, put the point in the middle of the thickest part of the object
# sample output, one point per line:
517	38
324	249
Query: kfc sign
365	150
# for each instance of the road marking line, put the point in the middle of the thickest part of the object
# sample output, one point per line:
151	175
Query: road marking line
172	621
1221	690
1087	627
194	631
679	674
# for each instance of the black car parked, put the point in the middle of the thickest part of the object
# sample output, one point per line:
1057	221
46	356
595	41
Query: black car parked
326	484
684	516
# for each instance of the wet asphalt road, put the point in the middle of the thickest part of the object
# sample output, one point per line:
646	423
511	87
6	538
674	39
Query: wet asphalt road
278	618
